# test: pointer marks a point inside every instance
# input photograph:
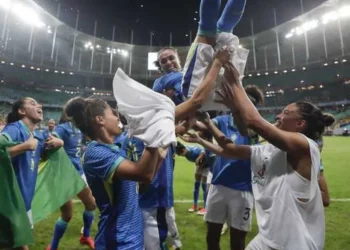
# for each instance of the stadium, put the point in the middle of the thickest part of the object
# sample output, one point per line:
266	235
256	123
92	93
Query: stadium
306	58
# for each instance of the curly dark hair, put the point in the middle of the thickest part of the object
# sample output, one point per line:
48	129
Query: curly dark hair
315	119
83	112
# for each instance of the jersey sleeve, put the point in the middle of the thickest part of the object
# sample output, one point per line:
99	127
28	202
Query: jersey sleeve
157	86
102	161
218	121
11	133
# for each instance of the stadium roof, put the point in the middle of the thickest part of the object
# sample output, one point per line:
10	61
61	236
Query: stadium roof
29	37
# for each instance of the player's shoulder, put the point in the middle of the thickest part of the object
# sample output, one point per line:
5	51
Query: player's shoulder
13	125
222	121
101	150
12	130
222	117
63	127
157	85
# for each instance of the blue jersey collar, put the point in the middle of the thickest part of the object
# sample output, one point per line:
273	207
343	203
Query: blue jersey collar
26	128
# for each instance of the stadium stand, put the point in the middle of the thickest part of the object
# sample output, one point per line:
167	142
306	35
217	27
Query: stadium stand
55	62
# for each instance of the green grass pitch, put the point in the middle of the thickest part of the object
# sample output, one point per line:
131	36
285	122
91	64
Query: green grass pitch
336	159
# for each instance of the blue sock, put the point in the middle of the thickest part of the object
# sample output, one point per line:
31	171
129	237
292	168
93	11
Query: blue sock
208	13
231	15
204	187
196	192
88	218
60	228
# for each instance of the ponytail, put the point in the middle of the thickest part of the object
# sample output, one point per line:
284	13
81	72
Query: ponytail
13	116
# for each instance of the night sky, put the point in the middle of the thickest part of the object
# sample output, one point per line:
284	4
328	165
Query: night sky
163	16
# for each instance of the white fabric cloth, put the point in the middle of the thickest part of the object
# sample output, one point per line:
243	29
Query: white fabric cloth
258	244
286	222
150	116
196	68
209	177
159	225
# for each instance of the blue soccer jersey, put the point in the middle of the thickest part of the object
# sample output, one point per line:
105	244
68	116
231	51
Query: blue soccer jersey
160	192
234	174
210	158
171	80
119	140
72	138
121	224
193	153
133	147
25	165
46	133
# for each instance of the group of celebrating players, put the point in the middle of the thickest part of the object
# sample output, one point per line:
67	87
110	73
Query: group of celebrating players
132	184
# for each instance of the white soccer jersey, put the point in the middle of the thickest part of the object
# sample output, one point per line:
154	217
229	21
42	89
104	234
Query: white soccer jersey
284	221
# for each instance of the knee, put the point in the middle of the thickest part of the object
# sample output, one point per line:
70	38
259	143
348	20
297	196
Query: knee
67	216
88	200
90	203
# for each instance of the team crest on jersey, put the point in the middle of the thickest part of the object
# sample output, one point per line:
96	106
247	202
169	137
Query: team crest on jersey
259	177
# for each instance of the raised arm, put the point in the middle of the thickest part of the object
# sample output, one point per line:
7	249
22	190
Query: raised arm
29	145
220	138
229	150
200	95
293	143
324	190
142	171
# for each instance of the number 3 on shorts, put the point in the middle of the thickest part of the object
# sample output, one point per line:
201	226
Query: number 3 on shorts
246	213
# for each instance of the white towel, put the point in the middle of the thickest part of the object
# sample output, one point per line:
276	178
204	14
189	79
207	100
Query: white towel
150	115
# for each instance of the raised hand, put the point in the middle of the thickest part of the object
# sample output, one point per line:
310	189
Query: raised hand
200	159
203	117
53	142
191	138
224	55
185	125
169	92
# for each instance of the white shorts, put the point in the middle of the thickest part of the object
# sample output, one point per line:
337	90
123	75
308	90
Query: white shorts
258	244
209	177
201	171
159	223
231	206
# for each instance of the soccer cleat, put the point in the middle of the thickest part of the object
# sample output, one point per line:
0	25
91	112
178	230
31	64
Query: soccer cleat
49	247
194	208
87	241
201	211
